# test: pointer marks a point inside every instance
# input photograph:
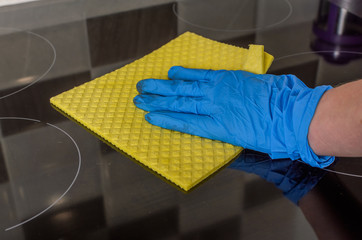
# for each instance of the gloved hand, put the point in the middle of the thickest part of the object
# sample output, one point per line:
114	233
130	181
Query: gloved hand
293	178
266	113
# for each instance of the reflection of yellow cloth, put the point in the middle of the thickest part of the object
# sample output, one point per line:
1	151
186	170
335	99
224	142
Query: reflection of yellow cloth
105	107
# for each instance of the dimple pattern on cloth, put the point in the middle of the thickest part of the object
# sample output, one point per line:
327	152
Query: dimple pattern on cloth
105	107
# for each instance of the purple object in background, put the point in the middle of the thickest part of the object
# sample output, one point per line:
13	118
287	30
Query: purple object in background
338	31
331	25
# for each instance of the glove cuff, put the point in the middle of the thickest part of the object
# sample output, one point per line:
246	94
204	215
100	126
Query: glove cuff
294	106
303	113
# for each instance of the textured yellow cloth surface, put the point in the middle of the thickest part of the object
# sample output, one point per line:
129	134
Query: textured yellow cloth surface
105	107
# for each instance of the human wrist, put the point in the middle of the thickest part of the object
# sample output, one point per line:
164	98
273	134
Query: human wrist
305	109
319	125
336	126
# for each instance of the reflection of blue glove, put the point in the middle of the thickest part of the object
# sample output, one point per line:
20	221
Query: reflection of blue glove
266	113
294	178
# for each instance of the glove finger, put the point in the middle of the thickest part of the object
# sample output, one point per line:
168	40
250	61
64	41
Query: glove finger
199	125
152	103
170	87
190	74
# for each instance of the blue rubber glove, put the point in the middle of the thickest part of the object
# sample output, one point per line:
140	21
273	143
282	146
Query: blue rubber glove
293	178
266	113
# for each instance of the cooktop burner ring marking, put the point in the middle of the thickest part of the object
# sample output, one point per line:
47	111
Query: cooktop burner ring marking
343	173
337	172
290	12
313	52
46	72
69	187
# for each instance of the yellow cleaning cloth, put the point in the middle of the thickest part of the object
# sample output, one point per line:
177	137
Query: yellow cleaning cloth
105	107
257	60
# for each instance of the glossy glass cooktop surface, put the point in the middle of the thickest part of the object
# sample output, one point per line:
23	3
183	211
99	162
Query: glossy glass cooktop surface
58	181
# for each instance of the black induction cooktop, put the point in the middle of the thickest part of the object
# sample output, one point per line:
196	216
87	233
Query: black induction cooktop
57	181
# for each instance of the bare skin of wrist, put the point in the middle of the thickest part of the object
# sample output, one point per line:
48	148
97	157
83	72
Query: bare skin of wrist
336	128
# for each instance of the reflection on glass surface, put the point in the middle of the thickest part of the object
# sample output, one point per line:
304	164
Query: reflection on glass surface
293	178
314	70
231	15
338	33
114	198
41	162
14	2
26	58
223	20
